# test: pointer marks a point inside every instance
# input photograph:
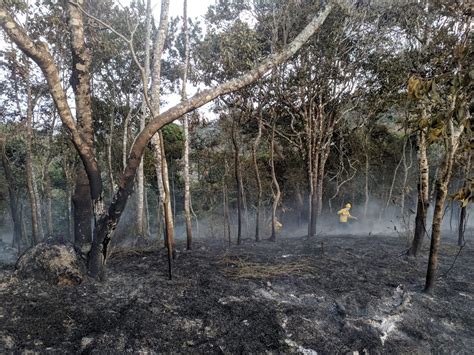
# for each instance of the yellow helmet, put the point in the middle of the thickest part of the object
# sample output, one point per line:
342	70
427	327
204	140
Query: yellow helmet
348	205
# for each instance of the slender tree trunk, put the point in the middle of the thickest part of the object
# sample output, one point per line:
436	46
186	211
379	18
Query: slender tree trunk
423	195
47	190
125	137
390	193
314	195
406	169
257	178
322	163
141	227
238	182
442	184
275	188
184	96
12	195
49	202
35	221
299	204
366	186
169	223
463	209
109	156
462	225
226	203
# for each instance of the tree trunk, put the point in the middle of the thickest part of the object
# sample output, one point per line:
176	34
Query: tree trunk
30	183
82	210
366	186
390	192
313	196
88	192
109	156
257	178
423	195
184	96
442	183
238	182
141	226
299	204
169	222
49	202
462	225
463	210
125	137
226	203
13	196
275	188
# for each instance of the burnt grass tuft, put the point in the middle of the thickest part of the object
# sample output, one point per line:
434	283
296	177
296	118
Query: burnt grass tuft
359	293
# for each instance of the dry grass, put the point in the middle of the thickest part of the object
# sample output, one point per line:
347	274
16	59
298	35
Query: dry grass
237	267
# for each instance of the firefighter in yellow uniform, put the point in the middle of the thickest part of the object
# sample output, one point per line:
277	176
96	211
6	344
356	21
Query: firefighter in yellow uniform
345	215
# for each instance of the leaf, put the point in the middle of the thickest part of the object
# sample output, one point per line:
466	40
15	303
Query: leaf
414	86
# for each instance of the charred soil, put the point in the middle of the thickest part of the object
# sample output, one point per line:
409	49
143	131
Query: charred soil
333	294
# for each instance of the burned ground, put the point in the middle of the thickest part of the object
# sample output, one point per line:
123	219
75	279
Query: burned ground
334	294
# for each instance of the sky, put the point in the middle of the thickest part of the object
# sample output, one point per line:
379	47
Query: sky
196	8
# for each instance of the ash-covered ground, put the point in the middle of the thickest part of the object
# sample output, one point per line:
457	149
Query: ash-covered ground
333	294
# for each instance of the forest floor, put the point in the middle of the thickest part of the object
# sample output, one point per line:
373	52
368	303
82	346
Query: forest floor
334	294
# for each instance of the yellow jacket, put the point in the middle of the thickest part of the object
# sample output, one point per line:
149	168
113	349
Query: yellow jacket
344	214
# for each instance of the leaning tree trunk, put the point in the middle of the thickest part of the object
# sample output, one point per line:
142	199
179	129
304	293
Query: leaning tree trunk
423	195
257	178
442	183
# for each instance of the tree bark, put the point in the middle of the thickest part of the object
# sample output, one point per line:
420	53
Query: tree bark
109	156
158	143
442	182
82	210
12	195
238	181
30	183
366	174
257	178
141	226
226	203
423	195
88	191
187	193
463	210
275	188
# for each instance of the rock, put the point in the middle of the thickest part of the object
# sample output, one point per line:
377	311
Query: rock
53	262
6	342
86	341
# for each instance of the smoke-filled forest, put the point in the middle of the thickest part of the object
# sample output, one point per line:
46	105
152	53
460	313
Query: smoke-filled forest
236	176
